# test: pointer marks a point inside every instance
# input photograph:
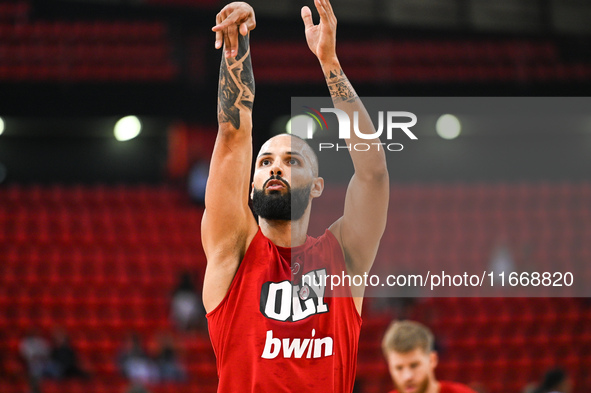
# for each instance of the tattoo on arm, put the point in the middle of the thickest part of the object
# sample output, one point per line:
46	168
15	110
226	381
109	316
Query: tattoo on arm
340	88
236	85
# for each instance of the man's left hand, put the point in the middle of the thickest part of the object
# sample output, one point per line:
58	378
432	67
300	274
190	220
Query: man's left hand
321	38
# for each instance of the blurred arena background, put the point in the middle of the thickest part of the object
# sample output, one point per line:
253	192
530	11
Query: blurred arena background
100	255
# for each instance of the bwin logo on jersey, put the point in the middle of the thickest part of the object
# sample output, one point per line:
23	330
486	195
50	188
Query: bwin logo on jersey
297	347
283	301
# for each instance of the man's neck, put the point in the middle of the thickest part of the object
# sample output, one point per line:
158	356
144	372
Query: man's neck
434	387
285	233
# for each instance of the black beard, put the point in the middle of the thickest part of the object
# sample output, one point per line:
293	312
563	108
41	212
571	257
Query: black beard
276	206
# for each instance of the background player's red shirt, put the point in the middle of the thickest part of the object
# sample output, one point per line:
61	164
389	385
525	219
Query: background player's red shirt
273	333
450	387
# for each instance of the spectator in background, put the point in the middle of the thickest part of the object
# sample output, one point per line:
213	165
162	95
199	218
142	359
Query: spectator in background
409	350
166	359
186	307
197	180
64	357
35	351
555	381
135	364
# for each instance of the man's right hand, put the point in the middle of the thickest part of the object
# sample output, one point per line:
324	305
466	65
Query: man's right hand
228	225
236	17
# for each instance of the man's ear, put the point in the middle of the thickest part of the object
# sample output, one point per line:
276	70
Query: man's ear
251	190
434	358
317	187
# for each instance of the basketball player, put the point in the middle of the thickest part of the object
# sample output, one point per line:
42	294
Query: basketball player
408	348
271	330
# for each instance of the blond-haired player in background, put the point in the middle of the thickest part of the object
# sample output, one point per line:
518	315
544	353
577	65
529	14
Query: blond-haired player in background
408	348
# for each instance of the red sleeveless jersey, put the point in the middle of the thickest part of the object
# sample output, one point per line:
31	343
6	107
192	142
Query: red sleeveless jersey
278	329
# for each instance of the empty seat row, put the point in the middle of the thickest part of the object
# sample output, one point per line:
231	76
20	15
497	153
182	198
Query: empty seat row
422	73
14	11
165	72
96	31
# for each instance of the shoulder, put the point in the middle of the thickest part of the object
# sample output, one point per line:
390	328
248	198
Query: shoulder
328	237
327	243
454	387
259	245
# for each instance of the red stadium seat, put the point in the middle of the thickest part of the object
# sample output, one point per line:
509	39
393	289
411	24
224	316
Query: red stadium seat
102	262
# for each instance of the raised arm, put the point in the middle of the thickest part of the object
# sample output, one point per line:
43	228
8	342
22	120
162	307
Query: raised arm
360	228
228	225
